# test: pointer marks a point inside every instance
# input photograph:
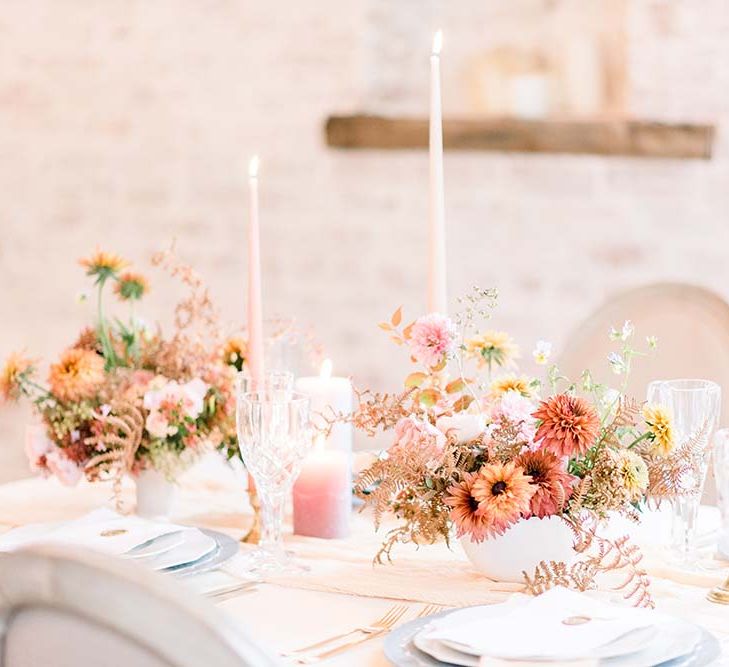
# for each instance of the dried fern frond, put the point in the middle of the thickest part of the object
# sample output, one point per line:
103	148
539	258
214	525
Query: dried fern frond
667	475
374	411
550	574
120	436
626	417
607	556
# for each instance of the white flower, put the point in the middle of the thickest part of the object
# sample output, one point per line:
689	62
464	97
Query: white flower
542	352
37	446
62	467
617	363
623	334
652	342
467	426
195	391
158	426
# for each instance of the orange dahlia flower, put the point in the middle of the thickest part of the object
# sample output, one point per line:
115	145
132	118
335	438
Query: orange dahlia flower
569	425
552	483
77	375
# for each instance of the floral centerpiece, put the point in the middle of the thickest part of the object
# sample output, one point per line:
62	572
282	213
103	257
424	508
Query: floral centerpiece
123	398
478	447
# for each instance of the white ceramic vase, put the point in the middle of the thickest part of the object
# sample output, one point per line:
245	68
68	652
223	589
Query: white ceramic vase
155	494
520	548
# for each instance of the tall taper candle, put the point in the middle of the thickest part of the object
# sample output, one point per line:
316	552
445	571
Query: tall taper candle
437	290
255	314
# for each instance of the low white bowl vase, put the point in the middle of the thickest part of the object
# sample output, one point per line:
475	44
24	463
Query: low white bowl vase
520	548
155	494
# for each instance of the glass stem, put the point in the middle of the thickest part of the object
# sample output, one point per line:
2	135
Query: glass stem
685	519
272	513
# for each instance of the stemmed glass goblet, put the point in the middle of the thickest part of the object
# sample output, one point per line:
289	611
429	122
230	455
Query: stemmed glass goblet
274	436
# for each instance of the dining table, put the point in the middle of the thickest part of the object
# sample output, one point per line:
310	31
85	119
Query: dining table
342	587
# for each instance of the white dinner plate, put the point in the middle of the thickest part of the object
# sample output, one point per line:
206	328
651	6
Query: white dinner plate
677	643
195	545
156	546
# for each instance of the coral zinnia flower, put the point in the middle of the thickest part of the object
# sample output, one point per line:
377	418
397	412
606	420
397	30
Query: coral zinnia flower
16	368
503	492
77	375
660	426
633	471
518	383
466	513
552	482
131	286
569	425
492	347
103	265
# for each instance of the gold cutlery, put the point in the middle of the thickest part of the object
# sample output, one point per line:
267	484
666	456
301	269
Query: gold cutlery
719	594
390	616
384	625
223	593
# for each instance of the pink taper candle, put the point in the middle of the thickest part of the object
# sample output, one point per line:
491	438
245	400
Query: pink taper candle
437	290
255	314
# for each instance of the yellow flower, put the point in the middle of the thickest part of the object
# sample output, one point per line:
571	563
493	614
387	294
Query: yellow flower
518	383
131	286
633	472
234	352
16	367
660	427
77	375
103	264
492	347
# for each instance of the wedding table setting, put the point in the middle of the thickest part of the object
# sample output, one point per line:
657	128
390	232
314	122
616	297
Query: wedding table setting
513	518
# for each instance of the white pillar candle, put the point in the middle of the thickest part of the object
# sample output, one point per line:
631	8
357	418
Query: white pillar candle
329	395
255	309
437	290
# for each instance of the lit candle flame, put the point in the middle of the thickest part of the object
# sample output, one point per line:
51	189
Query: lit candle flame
253	167
326	369
437	42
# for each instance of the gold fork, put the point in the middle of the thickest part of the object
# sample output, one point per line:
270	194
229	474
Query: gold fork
428	610
382	623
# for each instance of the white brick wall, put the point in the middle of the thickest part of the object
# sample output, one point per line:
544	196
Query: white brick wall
125	124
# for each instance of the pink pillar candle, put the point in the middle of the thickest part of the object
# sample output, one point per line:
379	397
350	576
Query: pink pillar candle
323	495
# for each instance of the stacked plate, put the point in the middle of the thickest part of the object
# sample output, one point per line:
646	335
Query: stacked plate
161	546
185	552
566	634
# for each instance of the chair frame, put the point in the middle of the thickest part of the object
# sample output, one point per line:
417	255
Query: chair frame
140	605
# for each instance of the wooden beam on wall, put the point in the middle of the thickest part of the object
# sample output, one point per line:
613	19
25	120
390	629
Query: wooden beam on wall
638	138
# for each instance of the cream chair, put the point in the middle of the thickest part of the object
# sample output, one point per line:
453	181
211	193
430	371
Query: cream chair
692	327
64	608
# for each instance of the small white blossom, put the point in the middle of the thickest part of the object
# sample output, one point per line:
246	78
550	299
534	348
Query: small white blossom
617	363
622	334
652	342
542	352
628	329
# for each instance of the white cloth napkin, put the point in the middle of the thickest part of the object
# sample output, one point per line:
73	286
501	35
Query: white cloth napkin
101	530
534	628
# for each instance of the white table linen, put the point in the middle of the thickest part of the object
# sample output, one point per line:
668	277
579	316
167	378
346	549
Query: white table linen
342	589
